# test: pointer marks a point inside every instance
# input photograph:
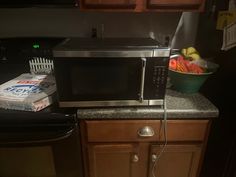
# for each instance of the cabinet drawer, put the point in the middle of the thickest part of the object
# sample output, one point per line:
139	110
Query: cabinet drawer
180	3
130	130
109	4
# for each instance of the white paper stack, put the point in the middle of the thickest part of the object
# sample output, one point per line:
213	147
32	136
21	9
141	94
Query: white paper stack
229	38
28	92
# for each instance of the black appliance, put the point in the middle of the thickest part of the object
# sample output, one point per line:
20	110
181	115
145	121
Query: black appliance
44	143
38	3
110	72
39	144
16	52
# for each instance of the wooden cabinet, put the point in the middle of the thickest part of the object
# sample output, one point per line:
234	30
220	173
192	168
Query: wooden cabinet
142	5
114	160
109	4
175	160
181	5
125	147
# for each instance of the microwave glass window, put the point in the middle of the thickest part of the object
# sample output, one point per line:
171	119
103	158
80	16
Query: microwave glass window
101	78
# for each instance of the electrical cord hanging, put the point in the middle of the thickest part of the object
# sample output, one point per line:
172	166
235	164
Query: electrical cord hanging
165	140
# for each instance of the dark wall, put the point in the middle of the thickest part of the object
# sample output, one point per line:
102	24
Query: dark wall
220	159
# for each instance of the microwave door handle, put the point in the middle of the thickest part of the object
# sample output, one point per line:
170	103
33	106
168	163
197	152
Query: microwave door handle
144	61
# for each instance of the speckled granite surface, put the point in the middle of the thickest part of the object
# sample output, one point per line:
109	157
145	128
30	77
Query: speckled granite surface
178	106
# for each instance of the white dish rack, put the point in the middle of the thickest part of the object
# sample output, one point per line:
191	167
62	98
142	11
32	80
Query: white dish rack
41	65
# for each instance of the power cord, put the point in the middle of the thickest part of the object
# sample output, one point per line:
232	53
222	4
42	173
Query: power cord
165	139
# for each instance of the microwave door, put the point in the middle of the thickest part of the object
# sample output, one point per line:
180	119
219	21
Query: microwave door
109	81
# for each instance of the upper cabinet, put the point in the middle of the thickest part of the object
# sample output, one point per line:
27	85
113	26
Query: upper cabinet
179	5
109	4
143	5
38	3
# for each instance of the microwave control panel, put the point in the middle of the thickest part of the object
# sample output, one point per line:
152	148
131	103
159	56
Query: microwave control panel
156	78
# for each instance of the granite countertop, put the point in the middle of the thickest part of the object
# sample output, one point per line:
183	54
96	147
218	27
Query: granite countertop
178	106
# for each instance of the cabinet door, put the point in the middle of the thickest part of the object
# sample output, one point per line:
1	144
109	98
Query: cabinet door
174	161
176	4
109	4
120	160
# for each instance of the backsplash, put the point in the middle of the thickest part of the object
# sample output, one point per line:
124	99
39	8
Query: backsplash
74	23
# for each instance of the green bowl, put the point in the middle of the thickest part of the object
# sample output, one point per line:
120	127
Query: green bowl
187	82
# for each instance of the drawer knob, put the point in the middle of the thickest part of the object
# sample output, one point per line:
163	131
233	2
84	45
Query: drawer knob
146	132
135	158
154	157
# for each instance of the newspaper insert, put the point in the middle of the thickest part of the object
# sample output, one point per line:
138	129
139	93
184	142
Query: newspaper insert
229	37
27	92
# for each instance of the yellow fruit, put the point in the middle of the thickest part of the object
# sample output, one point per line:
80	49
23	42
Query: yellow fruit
194	56
191	50
184	51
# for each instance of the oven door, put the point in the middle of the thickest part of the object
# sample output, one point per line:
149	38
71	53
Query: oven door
39	146
100	81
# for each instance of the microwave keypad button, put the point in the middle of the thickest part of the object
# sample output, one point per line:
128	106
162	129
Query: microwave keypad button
158	78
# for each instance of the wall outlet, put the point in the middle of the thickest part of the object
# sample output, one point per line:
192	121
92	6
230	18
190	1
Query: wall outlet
165	39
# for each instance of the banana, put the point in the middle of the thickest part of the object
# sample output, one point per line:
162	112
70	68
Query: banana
190	53
191	50
194	56
184	51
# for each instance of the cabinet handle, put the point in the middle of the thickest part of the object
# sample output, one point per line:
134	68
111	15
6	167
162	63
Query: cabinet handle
154	157
135	158
146	132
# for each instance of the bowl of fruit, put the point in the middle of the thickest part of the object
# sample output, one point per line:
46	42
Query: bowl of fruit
188	71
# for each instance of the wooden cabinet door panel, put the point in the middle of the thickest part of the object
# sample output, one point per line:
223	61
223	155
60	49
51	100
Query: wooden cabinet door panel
109	4
143	5
109	160
175	161
175	4
127	131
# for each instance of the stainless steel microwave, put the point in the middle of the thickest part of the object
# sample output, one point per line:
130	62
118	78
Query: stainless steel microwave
110	72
